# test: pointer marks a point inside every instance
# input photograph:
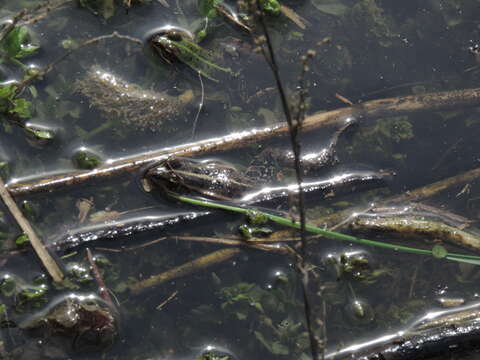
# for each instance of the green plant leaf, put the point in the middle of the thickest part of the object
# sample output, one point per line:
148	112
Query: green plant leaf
271	6
16	43
22	108
7	91
26	50
22	240
41	134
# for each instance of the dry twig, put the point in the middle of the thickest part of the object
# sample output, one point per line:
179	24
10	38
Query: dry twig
47	260
102	288
188	268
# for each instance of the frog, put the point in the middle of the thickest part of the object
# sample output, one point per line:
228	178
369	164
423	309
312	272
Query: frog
219	180
174	44
70	325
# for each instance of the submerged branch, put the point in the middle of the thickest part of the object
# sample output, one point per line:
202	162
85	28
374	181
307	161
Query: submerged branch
188	268
371	109
47	260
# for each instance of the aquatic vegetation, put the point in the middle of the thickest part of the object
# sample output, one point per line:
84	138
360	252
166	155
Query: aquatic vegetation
367	17
11	105
85	159
130	105
17	45
274	312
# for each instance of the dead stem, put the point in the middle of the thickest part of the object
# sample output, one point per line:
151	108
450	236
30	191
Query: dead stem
188	268
167	300
47	260
259	245
102	288
369	110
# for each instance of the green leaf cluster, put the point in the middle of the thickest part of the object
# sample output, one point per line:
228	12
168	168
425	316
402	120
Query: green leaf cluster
266	309
271	6
16	45
9	104
86	160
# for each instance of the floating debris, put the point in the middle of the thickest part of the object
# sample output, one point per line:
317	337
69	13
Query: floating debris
135	107
409	227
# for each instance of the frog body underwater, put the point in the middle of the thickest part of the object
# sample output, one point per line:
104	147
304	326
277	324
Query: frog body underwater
218	180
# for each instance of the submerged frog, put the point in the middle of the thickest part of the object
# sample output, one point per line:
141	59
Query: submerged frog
176	44
222	181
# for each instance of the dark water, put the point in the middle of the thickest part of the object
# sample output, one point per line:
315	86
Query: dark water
250	306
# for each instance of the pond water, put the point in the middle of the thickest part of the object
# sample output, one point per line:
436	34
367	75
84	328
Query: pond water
115	98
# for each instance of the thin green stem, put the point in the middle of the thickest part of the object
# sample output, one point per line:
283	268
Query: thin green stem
471	259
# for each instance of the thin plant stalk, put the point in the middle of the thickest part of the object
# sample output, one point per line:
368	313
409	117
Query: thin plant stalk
294	127
471	259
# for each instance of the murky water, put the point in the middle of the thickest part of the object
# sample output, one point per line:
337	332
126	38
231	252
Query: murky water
251	305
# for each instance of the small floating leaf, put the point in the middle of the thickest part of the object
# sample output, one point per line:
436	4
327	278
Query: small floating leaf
86	160
439	252
22	240
271	6
256	218
41	134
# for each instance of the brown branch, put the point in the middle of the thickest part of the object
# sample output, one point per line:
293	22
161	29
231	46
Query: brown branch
188	268
102	288
47	260
372	109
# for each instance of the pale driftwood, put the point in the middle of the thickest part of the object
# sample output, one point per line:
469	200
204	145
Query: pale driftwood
47	260
370	109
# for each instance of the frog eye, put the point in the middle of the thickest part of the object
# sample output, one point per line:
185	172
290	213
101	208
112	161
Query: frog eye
174	36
